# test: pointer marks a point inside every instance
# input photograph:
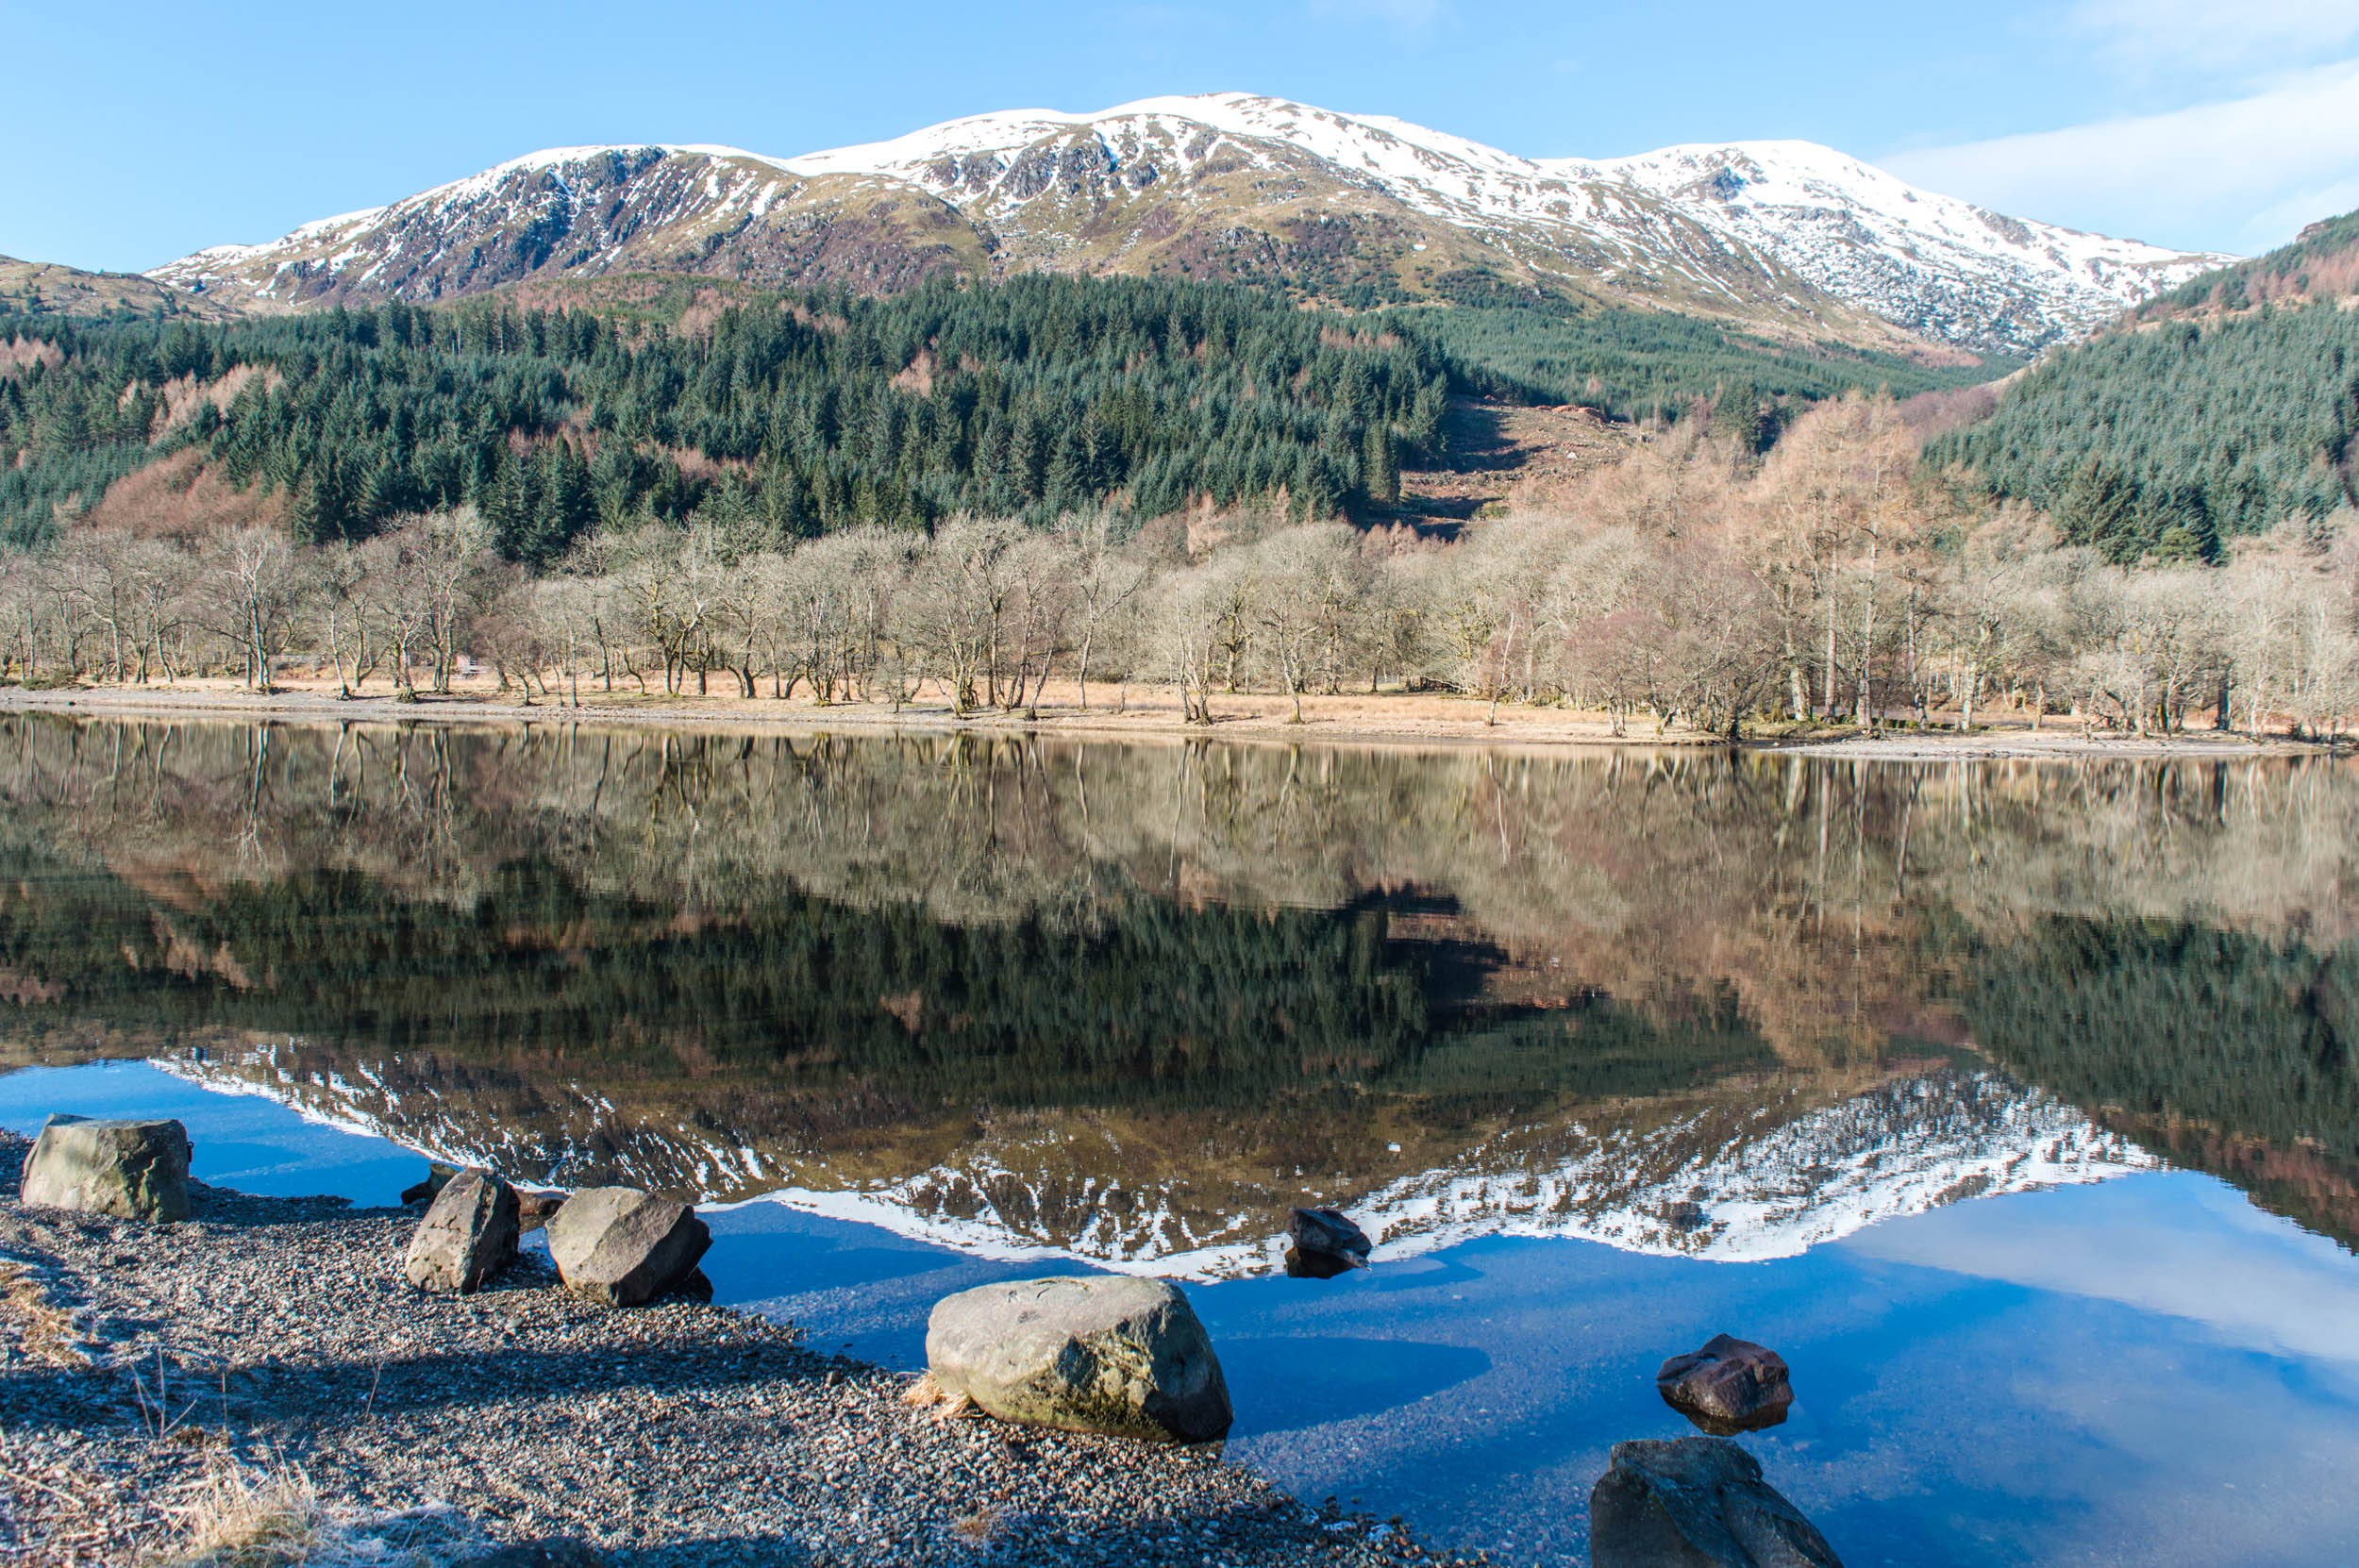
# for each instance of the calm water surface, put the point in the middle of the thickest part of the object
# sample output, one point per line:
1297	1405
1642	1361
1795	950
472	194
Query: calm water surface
2010	1103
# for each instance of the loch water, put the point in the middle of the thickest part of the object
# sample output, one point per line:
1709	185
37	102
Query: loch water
2012	1103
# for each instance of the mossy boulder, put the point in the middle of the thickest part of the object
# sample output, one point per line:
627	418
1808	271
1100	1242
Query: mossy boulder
1092	1354
132	1169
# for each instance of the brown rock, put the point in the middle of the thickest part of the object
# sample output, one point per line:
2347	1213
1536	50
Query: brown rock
1728	1387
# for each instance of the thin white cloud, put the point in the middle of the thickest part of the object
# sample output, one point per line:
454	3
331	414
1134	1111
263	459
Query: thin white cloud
2182	1244
2212	38
2241	174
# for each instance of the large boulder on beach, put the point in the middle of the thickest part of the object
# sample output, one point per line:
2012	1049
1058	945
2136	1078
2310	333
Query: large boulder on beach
1728	1387
134	1170
1095	1354
468	1235
623	1246
1696	1502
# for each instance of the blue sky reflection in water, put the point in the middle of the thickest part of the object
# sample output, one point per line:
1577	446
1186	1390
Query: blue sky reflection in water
2137	1370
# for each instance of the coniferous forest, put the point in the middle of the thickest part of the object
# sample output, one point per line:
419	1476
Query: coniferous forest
1032	398
2164	441
1035	397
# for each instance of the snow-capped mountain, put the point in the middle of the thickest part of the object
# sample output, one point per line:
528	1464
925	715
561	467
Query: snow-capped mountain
1739	1176
1231	186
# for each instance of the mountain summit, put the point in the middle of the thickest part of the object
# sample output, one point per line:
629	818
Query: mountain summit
1785	235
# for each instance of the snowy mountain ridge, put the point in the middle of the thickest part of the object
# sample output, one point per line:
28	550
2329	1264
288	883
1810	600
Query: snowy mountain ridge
1235	186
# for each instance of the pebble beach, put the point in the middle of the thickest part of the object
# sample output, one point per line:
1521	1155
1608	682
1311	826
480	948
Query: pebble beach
267	1354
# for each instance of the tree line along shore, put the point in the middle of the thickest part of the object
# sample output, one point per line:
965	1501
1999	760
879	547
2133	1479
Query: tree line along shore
1674	593
968	492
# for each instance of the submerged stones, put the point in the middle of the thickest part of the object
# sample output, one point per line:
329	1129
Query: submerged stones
135	1170
1728	1387
623	1246
1108	1353
468	1235
1696	1502
1326	1244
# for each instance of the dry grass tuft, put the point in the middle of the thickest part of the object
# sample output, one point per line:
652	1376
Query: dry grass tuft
926	1393
242	1518
273	1518
43	1328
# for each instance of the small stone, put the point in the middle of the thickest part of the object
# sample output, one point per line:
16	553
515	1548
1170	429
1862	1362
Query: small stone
535	1210
436	1176
1091	1354
467	1237
1696	1503
133	1170
623	1246
1728	1387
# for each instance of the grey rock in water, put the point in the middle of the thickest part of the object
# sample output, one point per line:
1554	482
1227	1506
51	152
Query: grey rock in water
1325	1237
467	1237
1696	1502
133	1170
437	1177
1317	1265
1093	1354
623	1246
1728	1387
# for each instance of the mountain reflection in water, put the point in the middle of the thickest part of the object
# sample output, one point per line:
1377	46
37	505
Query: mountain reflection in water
1131	1001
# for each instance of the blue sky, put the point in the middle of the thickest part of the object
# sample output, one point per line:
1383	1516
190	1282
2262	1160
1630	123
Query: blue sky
154	129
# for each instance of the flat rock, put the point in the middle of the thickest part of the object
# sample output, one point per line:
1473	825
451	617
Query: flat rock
1696	1502
133	1170
1091	1354
1728	1387
468	1235
623	1246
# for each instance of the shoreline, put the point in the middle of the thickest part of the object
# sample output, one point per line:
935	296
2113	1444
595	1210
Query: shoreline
1414	720
272	1343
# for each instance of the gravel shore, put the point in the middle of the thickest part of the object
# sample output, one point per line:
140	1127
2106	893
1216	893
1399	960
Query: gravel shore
1417	720
144	1368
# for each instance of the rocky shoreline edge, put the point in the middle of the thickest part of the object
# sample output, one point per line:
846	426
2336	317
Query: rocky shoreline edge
264	1366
